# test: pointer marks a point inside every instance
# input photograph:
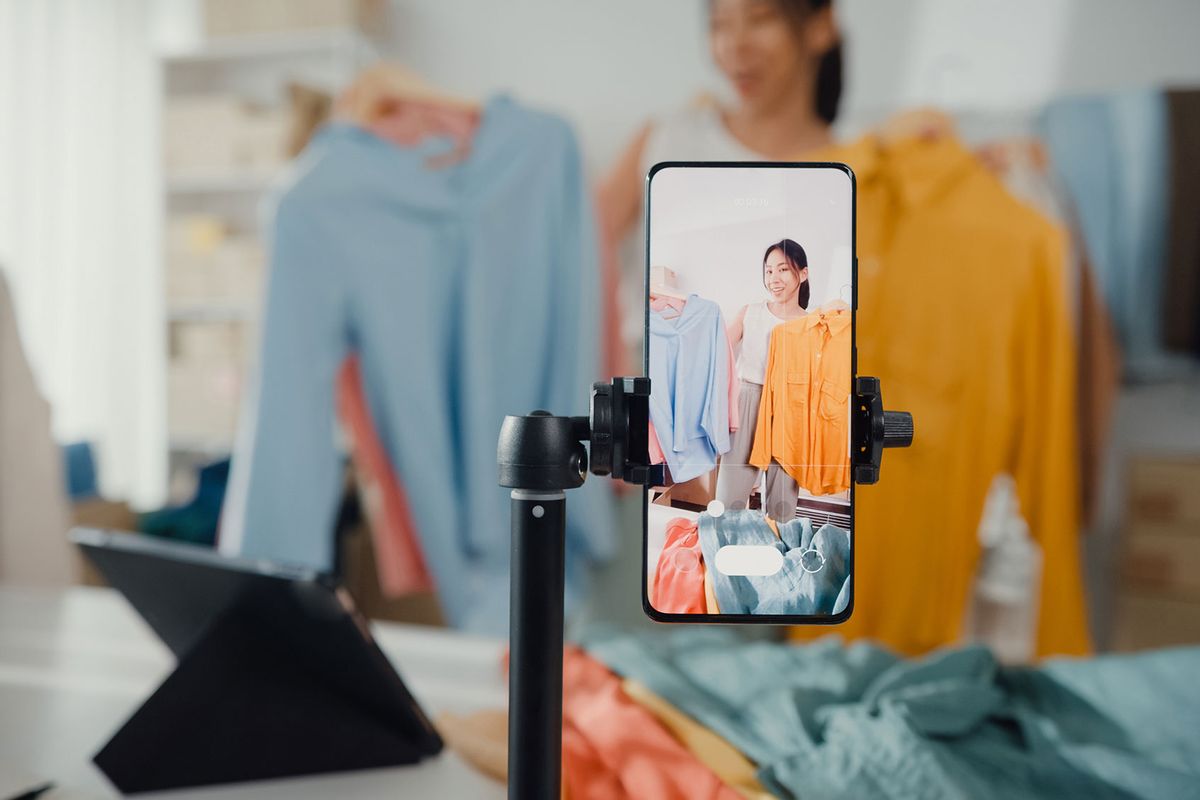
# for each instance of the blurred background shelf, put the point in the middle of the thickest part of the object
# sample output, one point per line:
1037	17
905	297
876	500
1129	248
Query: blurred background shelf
272	45
220	182
215	312
231	104
205	448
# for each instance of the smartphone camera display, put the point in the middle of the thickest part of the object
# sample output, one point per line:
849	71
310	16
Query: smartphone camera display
750	352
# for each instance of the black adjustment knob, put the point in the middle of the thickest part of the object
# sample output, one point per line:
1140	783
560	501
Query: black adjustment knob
897	429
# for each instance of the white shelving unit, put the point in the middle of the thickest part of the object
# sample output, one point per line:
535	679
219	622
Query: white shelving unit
212	206
266	46
215	182
211	312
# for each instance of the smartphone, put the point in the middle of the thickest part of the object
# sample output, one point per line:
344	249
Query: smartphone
750	350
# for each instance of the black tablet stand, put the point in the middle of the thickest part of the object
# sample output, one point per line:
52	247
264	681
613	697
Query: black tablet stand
540	456
241	706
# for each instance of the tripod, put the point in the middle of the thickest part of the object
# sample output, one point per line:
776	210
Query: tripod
540	457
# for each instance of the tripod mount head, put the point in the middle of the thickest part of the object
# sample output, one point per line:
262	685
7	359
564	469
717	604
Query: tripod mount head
542	452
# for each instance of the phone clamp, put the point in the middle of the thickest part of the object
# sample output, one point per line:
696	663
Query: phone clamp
540	456
875	429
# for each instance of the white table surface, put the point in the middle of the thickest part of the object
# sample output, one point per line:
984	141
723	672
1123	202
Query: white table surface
75	663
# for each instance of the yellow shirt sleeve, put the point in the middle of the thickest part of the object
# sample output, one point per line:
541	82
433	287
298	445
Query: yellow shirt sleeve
1046	473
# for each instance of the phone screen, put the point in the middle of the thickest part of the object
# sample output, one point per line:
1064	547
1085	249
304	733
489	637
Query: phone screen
750	299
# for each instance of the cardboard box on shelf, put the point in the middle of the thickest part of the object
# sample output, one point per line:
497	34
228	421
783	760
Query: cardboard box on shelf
261	140
1158	564
1162	559
308	109
1160	549
1147	621
187	112
198	130
207	264
238	266
220	134
96	512
202	401
1164	490
361	577
244	17
207	344
194	235
99	513
240	17
192	153
698	491
187	284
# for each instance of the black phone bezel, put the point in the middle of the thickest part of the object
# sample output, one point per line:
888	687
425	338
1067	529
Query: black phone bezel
752	619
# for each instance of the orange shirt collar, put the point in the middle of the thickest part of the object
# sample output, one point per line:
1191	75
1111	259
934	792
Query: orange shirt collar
917	167
836	318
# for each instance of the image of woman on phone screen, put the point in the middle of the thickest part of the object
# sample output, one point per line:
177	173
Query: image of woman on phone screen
785	277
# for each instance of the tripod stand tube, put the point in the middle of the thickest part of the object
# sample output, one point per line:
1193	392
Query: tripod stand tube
536	645
539	457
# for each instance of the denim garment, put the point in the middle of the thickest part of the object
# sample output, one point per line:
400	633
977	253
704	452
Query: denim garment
469	292
807	583
1111	154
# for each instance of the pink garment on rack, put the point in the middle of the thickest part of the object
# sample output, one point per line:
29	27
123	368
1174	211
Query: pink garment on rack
733	388
657	456
398	557
614	749
679	575
409	122
614	356
661	302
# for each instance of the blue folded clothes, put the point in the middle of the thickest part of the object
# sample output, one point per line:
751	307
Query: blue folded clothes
826	720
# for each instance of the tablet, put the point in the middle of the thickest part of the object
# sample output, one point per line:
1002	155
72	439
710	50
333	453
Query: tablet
278	673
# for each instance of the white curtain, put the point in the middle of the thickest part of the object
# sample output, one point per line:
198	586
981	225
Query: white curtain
79	206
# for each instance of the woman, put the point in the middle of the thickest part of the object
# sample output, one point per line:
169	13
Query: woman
784	60
785	277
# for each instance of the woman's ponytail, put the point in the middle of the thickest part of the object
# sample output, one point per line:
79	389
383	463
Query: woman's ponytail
829	83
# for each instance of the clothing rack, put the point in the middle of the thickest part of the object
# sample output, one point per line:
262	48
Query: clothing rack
822	513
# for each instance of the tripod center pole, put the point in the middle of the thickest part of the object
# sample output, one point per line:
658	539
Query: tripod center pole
536	654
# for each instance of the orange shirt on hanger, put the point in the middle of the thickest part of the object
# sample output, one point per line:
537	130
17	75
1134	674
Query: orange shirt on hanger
964	316
804	415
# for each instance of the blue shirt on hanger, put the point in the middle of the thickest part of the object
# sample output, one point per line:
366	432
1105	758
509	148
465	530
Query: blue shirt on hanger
1111	153
470	292
689	387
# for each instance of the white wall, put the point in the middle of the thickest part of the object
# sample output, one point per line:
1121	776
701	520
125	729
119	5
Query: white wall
993	55
610	66
606	66
716	245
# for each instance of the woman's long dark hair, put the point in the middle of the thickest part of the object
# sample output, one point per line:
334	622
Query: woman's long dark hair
829	70
797	258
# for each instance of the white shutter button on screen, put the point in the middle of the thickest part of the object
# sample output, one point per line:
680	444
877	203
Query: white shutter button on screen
748	559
